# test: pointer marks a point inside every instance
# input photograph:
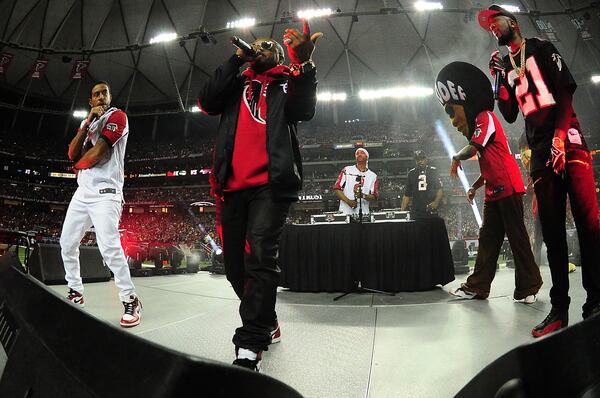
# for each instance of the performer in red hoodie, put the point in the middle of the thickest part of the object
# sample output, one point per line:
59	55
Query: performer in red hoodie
466	94
257	171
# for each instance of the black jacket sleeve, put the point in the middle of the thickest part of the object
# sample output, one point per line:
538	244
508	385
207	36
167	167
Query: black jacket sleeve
509	108
216	91
301	97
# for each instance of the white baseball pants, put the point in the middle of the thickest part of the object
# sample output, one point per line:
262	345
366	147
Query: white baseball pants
104	215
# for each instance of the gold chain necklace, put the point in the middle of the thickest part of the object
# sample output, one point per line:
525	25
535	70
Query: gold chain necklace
521	70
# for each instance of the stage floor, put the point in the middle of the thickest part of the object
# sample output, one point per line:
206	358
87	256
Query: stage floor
422	344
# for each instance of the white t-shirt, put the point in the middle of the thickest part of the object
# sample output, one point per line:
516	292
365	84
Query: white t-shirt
104	181
351	178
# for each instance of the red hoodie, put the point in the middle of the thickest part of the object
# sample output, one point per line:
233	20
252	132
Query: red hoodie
250	163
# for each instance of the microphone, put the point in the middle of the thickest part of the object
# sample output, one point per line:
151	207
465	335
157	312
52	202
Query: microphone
497	78
241	44
496	84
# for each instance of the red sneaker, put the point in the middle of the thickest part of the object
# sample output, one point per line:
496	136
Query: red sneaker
554	321
276	334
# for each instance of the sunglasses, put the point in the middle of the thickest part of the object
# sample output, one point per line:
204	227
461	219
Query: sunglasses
266	45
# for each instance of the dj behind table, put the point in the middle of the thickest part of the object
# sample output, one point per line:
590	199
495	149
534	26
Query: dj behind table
387	251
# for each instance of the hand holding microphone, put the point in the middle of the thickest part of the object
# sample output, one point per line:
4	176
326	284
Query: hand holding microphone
497	71
244	50
95	113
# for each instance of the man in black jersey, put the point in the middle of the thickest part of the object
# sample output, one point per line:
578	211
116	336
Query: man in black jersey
536	80
423	190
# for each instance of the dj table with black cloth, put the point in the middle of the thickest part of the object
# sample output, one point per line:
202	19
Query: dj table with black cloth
389	256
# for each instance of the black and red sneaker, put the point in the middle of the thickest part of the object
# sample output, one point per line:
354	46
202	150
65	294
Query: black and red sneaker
276	334
554	321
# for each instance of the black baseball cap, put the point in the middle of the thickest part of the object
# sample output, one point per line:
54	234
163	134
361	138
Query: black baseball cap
485	17
419	154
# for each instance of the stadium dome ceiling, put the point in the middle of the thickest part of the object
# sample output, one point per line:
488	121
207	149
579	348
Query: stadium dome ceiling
366	44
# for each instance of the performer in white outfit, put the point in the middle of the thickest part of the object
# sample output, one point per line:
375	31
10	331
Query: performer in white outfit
356	185
98	151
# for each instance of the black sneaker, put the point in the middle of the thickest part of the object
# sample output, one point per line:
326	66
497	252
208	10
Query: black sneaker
253	365
554	321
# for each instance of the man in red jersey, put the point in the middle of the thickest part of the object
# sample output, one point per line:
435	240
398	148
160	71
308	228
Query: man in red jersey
535	79
466	95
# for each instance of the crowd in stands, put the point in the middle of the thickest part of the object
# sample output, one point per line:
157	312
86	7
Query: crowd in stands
62	193
168	195
174	227
46	222
147	156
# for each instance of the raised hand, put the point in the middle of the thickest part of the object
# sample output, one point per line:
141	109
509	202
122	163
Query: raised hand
300	46
95	112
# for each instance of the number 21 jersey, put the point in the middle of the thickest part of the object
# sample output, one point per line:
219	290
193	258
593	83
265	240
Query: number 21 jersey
536	93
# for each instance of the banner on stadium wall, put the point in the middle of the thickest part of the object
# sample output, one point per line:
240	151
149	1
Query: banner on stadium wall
5	60
80	68
373	144
310	198
62	175
38	69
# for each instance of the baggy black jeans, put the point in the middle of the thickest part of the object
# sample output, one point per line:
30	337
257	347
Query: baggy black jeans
252	215
500	217
551	190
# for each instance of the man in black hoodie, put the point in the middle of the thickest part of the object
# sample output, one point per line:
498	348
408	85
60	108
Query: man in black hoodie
257	171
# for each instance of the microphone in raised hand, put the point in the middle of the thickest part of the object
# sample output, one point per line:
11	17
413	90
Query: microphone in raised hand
246	48
497	70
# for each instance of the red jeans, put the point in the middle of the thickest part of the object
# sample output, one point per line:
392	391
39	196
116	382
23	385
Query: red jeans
551	190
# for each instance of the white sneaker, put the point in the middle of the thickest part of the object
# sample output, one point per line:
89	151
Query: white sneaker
133	312
532	298
460	292
76	298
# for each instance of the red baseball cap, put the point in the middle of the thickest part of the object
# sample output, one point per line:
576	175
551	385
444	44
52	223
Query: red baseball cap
485	17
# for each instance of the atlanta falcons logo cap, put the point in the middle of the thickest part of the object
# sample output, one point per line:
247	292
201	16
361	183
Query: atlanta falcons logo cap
485	17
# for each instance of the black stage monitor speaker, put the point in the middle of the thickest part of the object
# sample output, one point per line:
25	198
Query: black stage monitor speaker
45	264
54	349
563	364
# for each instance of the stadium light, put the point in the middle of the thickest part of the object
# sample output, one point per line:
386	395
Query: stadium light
315	12
163	37
195	109
80	114
596	79
398	92
428	5
510	8
327	96
241	23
